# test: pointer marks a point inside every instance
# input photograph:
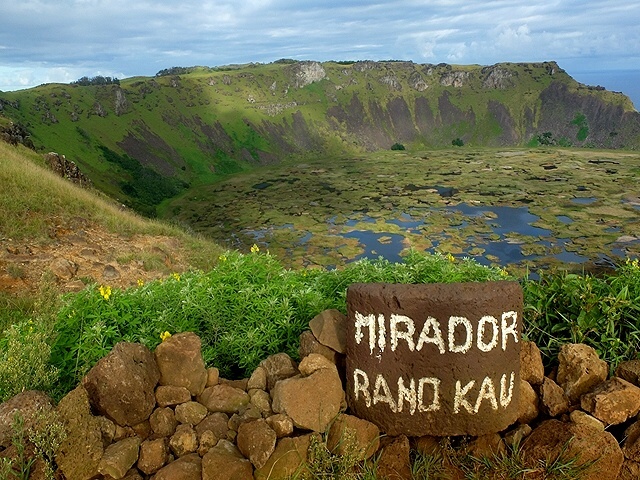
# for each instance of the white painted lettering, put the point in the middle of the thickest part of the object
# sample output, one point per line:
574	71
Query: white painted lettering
459	400
509	329
408	394
368	321
406	335
431	325
361	387
382	333
487	392
381	393
435	403
505	397
463	347
482	346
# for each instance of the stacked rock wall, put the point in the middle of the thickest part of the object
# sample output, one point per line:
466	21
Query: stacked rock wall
163	415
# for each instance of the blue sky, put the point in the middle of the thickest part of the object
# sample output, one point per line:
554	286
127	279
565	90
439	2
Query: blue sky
62	40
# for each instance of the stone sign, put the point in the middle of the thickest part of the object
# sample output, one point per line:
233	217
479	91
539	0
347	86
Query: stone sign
434	359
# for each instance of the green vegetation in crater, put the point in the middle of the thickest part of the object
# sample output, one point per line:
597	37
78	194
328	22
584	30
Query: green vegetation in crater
319	200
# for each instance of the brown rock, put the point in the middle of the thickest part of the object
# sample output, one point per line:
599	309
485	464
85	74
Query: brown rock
224	398
216	422
206	441
119	457
278	367
262	401
314	362
629	371
169	395
529	403
487	446
517	435
180	362
184	441
330	329
224	462
394	462
582	418
142	430
579	370
630	470
123	432
191	412
311	402
310	344
531	367
239	384
80	453
631	444
427	445
554	401
213	376
108	429
188	467
63	269
163	422
289	458
257	441
121	385
27	404
258	379
281	424
250	414
613	402
153	455
416	365
554	439
349	435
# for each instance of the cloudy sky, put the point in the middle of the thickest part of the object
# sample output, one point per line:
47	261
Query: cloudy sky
597	42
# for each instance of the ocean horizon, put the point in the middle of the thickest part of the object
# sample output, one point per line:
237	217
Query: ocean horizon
625	81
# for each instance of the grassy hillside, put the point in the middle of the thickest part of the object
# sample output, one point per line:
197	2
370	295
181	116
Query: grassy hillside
34	201
150	139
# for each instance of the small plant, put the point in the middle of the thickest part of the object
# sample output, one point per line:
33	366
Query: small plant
457	142
20	466
397	146
24	359
47	434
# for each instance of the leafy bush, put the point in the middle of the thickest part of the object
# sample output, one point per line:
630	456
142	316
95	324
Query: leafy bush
397	146
603	312
457	142
246	308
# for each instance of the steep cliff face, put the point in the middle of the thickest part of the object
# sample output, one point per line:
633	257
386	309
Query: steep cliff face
194	124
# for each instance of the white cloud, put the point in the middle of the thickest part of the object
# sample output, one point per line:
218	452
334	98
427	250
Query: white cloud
140	37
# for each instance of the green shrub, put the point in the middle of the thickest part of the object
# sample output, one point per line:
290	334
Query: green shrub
397	146
24	359
603	312
246	308
457	142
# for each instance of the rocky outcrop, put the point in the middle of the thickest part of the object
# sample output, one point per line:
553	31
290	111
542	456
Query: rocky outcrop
66	169
306	73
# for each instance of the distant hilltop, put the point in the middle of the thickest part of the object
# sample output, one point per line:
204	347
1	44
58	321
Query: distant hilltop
161	133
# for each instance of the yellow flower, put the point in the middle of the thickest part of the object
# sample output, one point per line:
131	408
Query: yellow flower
255	248
451	258
222	258
140	282
164	336
176	276
105	292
